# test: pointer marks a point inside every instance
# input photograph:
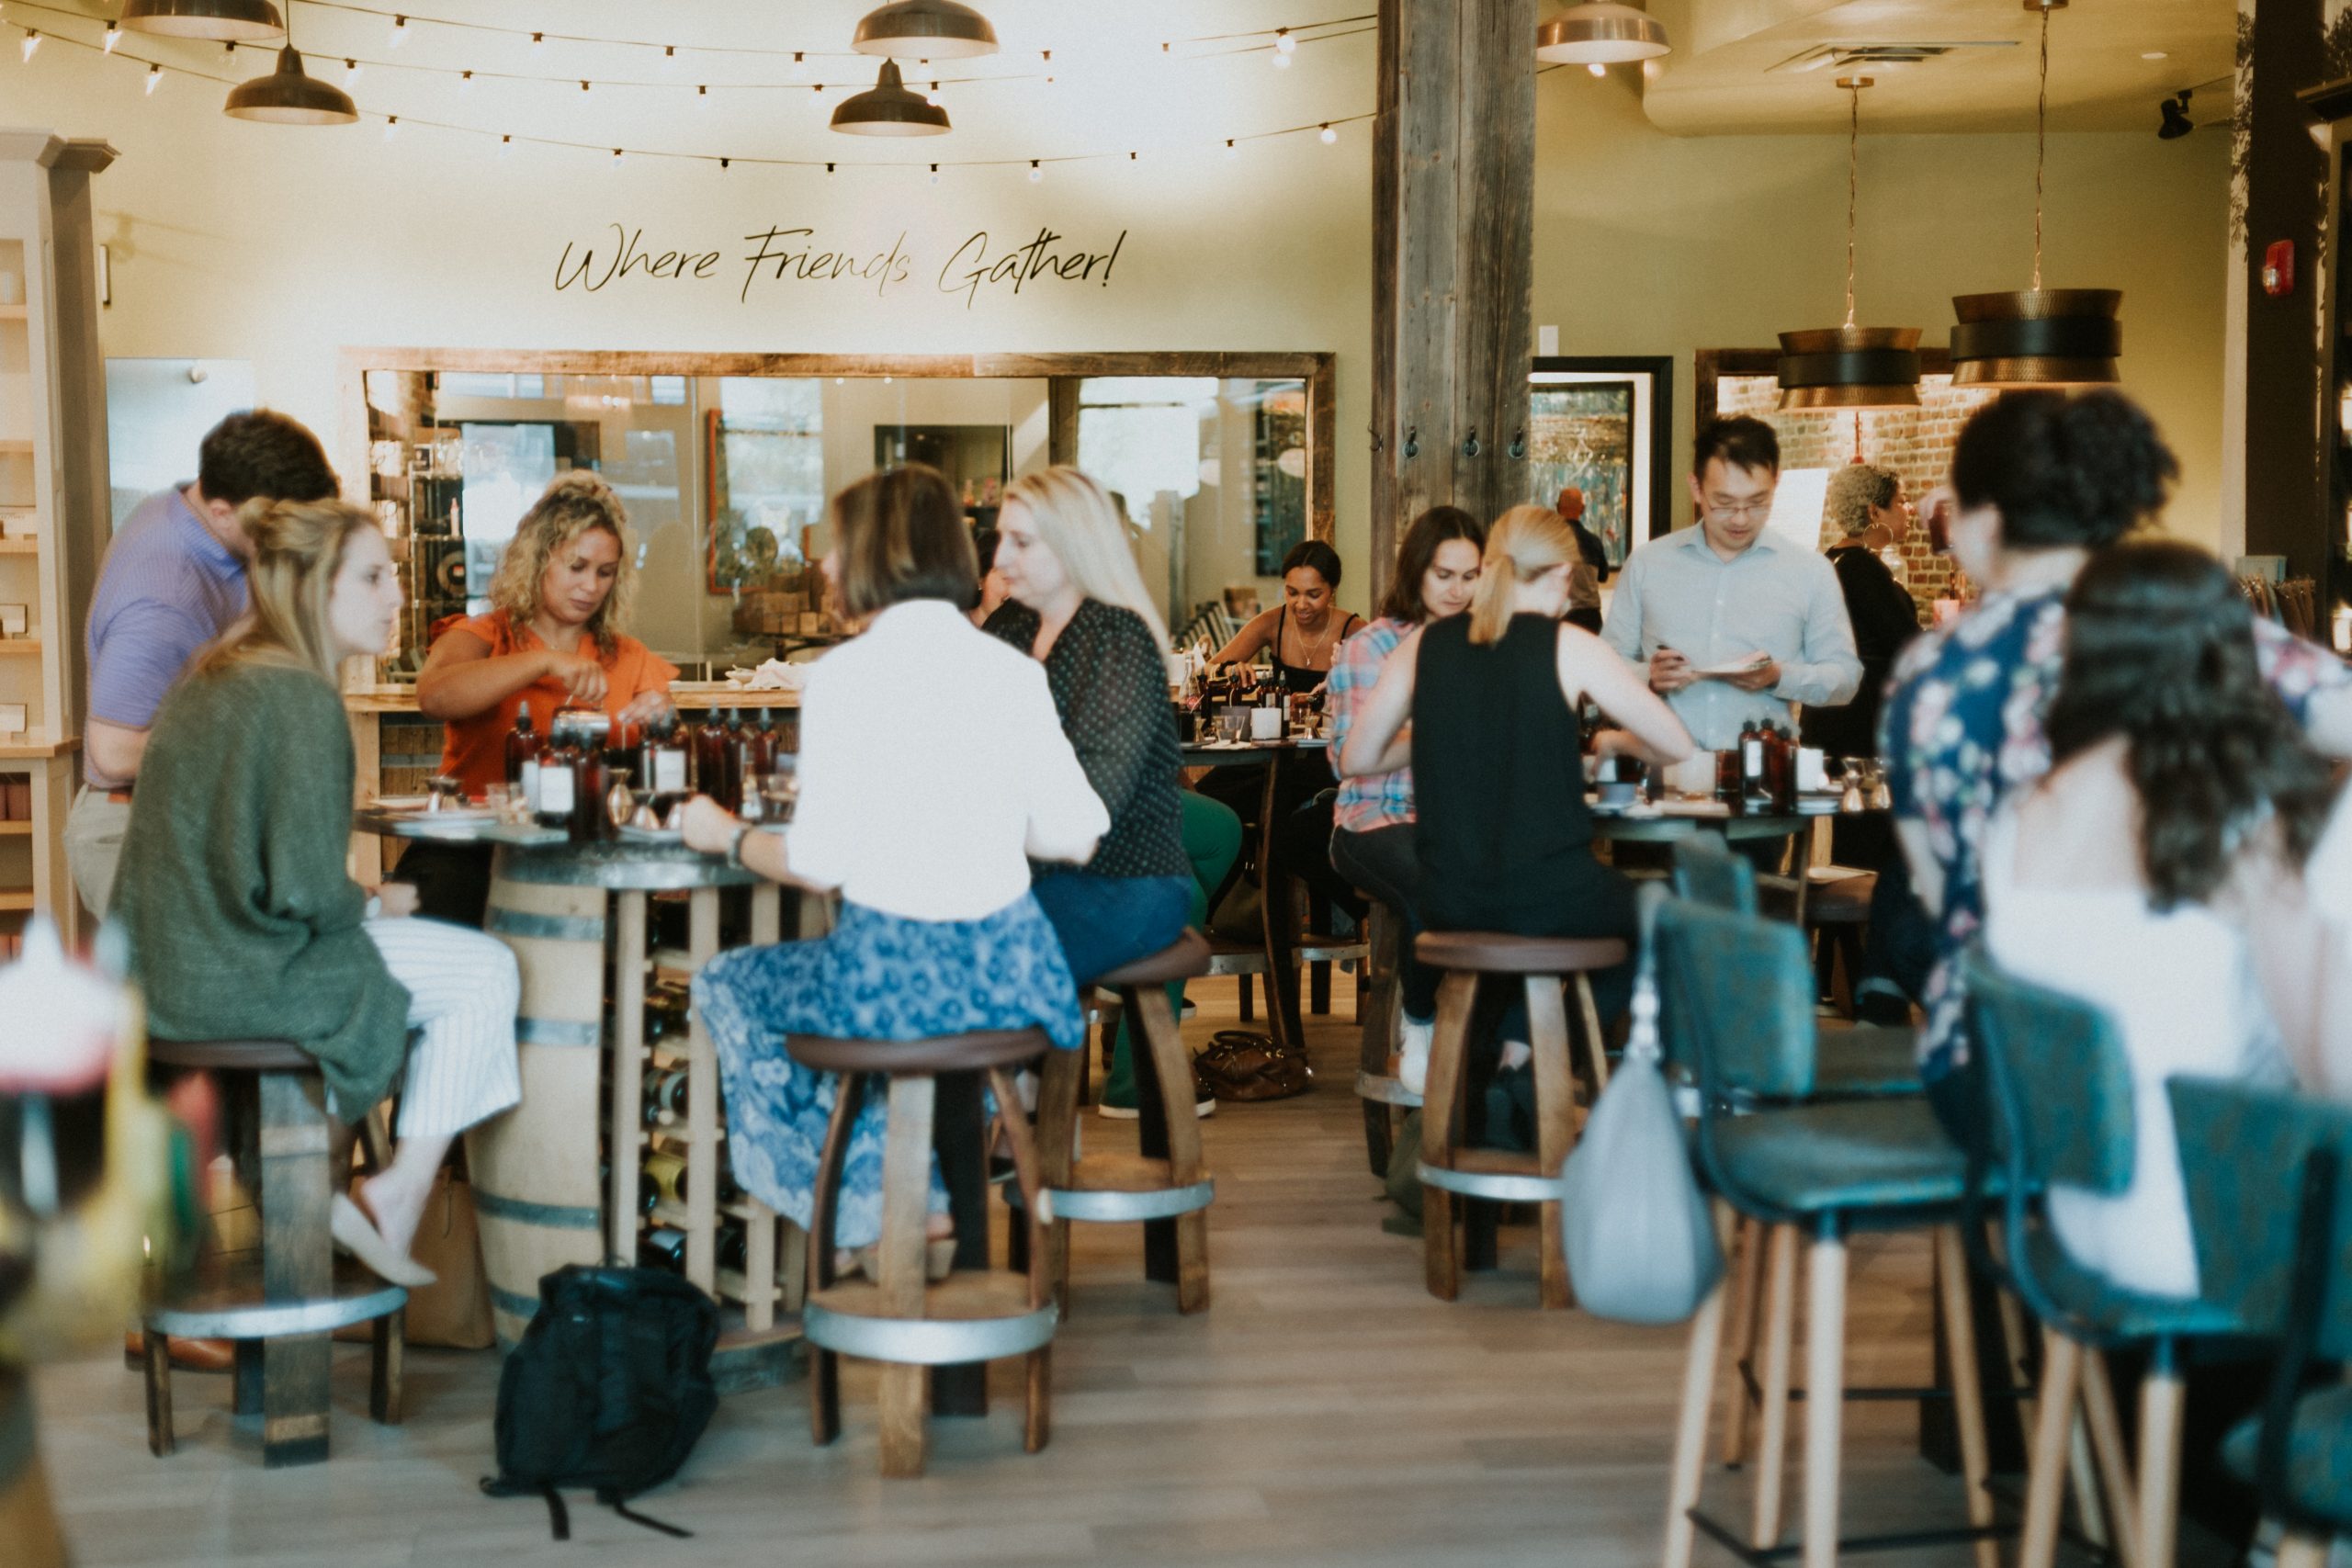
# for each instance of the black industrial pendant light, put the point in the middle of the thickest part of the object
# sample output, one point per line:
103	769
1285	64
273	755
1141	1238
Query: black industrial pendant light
1850	366
925	30
232	21
288	97
888	108
2037	336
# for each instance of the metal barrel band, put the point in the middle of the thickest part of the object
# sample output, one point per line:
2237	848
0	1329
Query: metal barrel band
929	1342
530	1031
545	927
1121	1208
554	1216
272	1320
514	1304
1500	1186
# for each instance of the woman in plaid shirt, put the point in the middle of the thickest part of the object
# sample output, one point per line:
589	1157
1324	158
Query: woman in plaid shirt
1372	840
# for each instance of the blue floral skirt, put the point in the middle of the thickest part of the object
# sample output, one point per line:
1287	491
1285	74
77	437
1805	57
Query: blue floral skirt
876	976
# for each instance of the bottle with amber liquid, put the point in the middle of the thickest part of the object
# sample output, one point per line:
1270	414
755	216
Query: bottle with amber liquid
522	745
591	778
664	760
754	760
710	757
555	791
1755	779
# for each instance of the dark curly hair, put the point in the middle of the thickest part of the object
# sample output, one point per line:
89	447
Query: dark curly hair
2082	470
2160	650
1431	529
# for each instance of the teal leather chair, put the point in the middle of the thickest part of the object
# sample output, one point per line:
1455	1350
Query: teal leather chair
2061	1093
2269	1177
1775	1152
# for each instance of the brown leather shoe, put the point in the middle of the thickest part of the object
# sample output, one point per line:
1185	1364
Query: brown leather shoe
188	1354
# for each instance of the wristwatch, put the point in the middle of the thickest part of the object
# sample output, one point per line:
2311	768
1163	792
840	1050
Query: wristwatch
735	845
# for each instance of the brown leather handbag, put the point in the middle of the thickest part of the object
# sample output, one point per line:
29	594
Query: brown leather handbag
1240	1065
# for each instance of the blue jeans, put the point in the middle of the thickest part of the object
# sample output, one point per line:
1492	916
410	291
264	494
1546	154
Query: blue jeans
1105	921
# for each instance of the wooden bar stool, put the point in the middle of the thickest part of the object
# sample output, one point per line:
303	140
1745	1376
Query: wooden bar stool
900	1320
1165	1185
281	1309
1382	1095
1449	1171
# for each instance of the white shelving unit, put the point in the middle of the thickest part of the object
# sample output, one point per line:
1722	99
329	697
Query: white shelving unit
52	495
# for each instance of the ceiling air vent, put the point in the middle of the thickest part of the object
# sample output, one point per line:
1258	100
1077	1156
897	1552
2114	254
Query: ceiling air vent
1846	57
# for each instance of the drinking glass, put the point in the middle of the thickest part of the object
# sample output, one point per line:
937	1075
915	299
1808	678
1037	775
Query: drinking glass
1231	724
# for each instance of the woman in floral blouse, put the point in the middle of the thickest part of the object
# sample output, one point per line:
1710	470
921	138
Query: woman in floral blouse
2040	480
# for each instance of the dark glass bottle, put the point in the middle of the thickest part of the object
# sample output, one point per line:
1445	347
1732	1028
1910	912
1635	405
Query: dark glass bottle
522	745
664	1247
1755	780
734	1248
710	757
556	800
665	1097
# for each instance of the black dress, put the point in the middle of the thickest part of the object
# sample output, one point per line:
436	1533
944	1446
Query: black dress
1884	618
1504	838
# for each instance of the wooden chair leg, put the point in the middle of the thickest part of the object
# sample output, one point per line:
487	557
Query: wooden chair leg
1318	986
2160	1407
1057	1151
1246	1006
903	1395
297	1263
824	1366
1595	1041
1780	1331
2062	1361
1037	1427
1690	1427
1547	1030
1746	1304
387	1367
1440	1129
1825	1392
1968	1391
1377	1035
2114	1464
1172	1071
160	1439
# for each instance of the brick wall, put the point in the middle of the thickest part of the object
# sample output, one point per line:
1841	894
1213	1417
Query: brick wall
1916	443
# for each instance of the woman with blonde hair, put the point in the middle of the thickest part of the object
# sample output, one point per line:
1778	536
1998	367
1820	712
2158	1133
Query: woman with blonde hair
1504	839
1866	505
1077	605
242	923
552	640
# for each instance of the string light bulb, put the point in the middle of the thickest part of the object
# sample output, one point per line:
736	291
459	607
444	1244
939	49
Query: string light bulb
1230	150
154	79
400	31
31	45
113	36
350	71
1283	42
505	145
391	127
1037	171
1597	68
799	65
1328	135
935	174
465	80
723	164
538	45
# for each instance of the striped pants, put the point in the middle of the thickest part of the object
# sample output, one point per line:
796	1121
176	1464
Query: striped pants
463	991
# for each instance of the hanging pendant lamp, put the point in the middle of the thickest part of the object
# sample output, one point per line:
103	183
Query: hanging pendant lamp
888	109
925	30
1601	32
2037	336
1850	366
235	21
288	97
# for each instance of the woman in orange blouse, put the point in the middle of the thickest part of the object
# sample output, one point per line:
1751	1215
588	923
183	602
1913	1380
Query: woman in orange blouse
552	638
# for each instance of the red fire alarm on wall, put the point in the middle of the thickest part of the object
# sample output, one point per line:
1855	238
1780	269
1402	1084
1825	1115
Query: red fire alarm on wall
2278	269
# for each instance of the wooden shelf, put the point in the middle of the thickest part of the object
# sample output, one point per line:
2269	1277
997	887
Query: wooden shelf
16	830
16	898
23	750
15	313
19	448
19	546
30	645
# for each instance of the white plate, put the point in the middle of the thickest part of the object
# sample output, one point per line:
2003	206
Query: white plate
402	802
652	835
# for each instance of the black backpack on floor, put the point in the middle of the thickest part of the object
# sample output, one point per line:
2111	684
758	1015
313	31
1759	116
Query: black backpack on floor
609	1389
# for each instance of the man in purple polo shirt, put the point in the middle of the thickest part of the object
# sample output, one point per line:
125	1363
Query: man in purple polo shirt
174	580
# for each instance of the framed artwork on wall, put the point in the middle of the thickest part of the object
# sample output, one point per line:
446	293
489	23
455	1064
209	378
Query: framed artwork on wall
1604	426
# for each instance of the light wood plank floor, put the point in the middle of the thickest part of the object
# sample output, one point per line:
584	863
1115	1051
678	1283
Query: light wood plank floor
1325	1411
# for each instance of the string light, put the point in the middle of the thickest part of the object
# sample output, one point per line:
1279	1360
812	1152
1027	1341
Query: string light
113	36
1037	171
1230	150
505	145
538	45
1597	68
391	127
350	71
935	174
154	79
1328	135
583	85
799	66
465	80
32	46
616	155
400	31
1283	42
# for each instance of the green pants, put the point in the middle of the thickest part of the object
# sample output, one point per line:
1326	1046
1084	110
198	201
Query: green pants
1212	842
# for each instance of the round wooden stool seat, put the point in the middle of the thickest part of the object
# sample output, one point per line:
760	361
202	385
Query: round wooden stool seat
1184	959
1500	953
976	1052
233	1055
1845	902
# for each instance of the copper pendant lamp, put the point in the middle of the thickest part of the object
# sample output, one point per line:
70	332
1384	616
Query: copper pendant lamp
925	30
1850	366
2038	337
888	108
288	97
234	21
1601	32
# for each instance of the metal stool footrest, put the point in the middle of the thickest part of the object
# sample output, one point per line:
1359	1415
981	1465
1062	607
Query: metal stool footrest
1501	1186
976	1329
1120	1208
1386	1090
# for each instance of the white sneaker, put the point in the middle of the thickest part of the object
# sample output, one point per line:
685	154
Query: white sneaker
1413	1056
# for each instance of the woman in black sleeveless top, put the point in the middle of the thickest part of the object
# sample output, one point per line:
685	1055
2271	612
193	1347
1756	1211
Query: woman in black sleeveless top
1505	840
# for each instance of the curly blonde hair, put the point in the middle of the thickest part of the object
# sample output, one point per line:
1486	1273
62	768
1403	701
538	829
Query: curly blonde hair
573	504
1854	489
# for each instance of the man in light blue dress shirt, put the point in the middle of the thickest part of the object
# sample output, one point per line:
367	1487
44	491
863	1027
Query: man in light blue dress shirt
1734	624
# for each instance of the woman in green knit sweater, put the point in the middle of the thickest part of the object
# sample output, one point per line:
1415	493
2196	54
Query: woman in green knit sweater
242	921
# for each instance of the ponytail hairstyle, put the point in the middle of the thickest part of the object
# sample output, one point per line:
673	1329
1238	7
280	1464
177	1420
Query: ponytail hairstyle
1075	519
1525	542
298	548
575	502
2160	650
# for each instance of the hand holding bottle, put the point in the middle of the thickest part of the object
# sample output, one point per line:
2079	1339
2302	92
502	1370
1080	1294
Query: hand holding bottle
645	707
583	679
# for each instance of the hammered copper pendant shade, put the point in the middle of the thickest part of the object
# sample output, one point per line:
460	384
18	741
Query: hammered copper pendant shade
1850	366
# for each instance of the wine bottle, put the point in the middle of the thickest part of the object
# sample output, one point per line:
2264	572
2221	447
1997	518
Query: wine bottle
555	796
663	1247
665	1097
522	745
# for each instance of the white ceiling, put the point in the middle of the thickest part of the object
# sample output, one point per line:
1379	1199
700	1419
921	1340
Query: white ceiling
1733	72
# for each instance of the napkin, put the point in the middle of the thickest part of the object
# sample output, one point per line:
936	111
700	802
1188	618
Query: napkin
772	675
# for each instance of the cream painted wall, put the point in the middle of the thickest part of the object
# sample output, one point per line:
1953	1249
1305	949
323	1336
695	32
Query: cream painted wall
1647	243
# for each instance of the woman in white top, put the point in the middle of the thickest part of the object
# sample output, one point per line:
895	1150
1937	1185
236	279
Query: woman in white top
2158	871
933	769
